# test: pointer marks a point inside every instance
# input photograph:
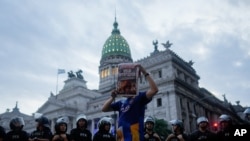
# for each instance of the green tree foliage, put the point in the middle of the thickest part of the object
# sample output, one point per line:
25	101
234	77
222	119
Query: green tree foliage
162	128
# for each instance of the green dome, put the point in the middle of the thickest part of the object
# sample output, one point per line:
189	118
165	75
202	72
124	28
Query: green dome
116	45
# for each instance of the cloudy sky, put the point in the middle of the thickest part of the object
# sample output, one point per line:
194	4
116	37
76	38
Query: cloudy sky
38	37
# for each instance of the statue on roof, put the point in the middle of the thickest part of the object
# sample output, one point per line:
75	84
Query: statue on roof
51	93
71	74
155	43
191	63
78	74
225	99
167	45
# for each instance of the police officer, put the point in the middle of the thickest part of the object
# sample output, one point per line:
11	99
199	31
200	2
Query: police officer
17	133
81	133
61	130
103	134
42	132
178	131
225	130
149	134
202	133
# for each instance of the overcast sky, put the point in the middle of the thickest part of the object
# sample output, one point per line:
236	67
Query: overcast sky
39	37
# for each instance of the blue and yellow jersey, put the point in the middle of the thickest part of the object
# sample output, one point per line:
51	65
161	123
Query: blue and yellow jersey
131	116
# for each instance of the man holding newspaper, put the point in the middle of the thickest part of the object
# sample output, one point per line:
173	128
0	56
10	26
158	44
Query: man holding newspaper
132	109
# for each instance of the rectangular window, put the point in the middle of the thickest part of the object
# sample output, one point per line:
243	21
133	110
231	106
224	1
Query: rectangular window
160	74
159	102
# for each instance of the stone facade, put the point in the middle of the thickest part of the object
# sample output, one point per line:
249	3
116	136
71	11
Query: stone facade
179	96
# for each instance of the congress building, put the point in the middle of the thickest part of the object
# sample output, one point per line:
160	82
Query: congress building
179	96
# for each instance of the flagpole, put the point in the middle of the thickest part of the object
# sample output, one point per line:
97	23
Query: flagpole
56	83
59	71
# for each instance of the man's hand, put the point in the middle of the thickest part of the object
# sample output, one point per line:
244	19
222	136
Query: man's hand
141	69
114	93
146	136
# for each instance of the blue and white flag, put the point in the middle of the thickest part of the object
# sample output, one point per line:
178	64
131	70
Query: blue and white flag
60	71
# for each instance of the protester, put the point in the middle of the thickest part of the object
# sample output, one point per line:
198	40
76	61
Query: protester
42	132
149	134
17	133
178	131
131	110
202	133
61	130
103	133
81	133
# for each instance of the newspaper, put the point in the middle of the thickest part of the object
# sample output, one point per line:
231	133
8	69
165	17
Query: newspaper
127	83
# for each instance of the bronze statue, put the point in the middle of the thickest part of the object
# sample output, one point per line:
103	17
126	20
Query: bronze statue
190	62
78	74
155	43
167	45
71	74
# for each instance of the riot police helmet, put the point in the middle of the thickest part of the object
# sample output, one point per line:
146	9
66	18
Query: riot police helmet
149	119
103	122
60	121
202	119
16	123
225	118
81	117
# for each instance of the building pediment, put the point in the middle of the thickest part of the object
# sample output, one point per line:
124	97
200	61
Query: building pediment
51	105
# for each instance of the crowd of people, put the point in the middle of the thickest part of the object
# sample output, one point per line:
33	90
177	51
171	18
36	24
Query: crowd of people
132	125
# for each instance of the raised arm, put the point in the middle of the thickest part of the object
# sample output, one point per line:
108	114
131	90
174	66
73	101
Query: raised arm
153	89
106	107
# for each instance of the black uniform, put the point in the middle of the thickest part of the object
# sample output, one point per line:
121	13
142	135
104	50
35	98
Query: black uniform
61	139
44	134
103	136
17	135
175	138
202	136
80	135
231	134
151	137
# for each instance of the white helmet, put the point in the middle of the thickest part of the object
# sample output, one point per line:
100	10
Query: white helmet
247	111
81	116
62	120
224	117
177	122
37	115
149	119
202	119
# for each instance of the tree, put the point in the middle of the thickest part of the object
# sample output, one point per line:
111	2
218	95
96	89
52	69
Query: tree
162	128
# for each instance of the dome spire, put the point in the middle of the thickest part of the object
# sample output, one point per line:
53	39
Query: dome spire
116	45
115	30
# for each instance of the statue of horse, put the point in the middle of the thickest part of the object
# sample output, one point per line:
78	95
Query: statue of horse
71	74
78	74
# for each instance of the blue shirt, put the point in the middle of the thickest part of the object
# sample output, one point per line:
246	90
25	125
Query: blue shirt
131	117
